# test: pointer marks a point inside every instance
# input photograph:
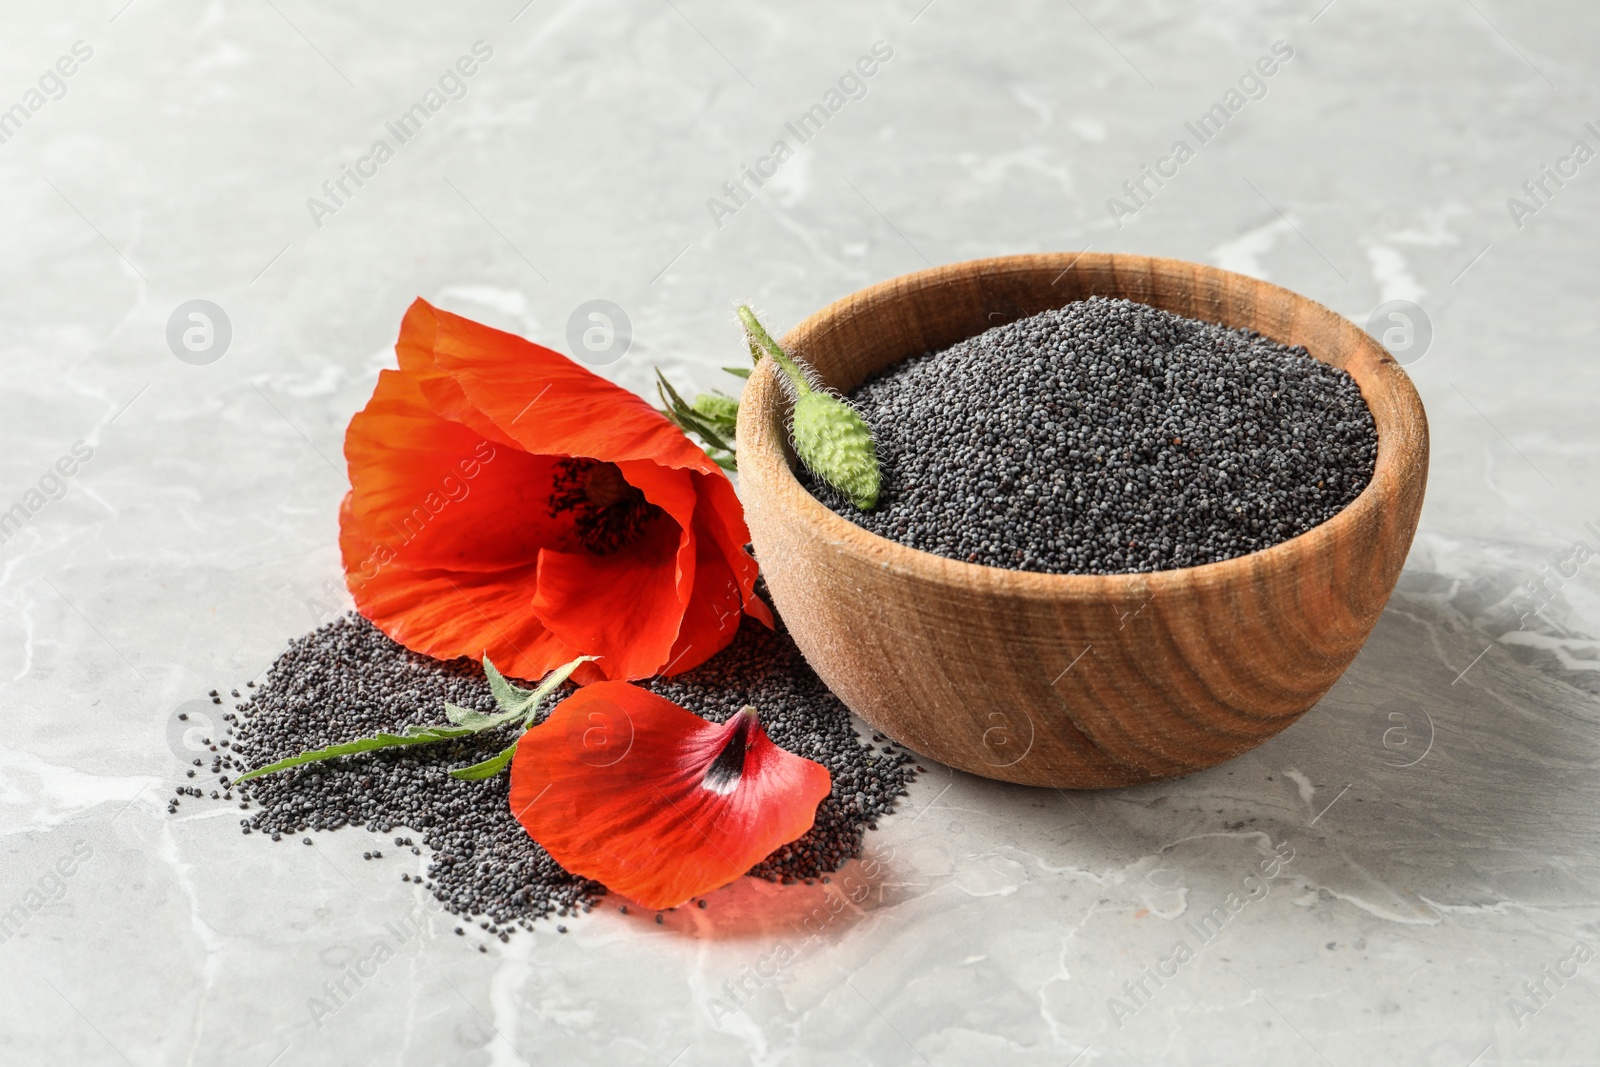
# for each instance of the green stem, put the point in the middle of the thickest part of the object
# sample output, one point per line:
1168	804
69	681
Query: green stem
759	335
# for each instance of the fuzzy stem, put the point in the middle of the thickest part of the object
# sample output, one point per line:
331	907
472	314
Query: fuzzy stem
759	335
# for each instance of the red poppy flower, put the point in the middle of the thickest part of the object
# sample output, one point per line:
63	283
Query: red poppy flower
625	787
505	500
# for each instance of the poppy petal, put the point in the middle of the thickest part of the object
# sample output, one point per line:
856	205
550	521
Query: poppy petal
488	512
439	536
438	494
544	401
447	614
419	333
711	616
725	523
623	607
674	492
625	787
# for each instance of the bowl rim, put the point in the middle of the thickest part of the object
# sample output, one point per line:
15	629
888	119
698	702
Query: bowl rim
1401	461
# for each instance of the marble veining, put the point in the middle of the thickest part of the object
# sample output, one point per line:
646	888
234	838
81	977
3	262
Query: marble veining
1407	875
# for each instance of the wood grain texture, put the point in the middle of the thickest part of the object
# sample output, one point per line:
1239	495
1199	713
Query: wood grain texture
1076	681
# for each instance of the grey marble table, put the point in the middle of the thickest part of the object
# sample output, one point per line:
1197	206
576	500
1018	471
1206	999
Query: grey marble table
1407	875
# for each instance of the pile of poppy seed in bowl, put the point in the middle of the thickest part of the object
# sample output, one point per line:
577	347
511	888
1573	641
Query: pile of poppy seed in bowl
1110	437
347	680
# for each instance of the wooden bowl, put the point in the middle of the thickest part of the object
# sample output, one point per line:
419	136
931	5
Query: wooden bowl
1076	681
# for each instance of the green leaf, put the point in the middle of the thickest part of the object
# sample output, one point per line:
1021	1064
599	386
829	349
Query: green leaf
509	697
721	411
692	422
515	699
738	372
488	768
685	417
672	399
475	720
552	681
466	722
414	735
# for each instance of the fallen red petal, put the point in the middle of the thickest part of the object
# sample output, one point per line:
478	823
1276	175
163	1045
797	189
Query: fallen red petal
625	787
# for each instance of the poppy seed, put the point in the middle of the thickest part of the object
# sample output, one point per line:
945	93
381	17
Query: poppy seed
347	680
1110	437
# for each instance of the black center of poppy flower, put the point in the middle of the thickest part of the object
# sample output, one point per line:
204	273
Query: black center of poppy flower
607	512
725	771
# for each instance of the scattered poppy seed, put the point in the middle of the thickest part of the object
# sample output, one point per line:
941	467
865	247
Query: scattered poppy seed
1110	437
347	680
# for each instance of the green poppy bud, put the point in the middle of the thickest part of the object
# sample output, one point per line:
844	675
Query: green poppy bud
835	444
832	440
